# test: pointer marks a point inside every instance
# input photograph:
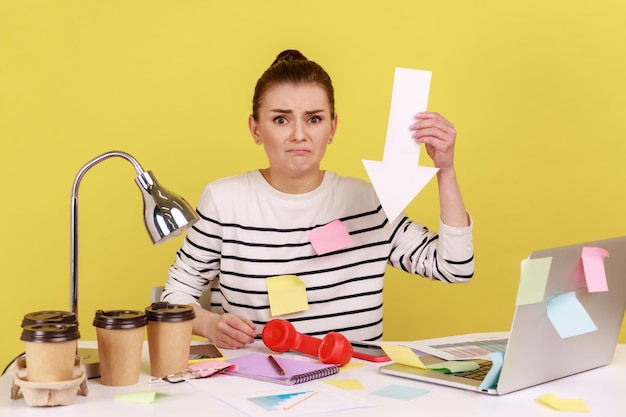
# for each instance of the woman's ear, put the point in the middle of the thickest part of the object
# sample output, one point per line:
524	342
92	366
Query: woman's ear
333	128
254	130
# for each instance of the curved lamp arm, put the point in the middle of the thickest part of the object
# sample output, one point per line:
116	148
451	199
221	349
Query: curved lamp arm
166	214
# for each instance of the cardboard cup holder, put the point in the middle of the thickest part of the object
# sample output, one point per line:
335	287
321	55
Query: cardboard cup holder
47	394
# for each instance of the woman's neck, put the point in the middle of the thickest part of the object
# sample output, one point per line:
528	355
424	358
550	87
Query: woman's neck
293	185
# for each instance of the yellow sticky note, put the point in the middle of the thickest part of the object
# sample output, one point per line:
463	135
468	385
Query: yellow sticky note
403	355
347	384
576	405
145	397
352	365
287	294
454	366
532	285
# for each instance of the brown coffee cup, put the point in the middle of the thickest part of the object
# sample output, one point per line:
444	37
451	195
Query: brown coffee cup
50	351
169	337
120	343
49	316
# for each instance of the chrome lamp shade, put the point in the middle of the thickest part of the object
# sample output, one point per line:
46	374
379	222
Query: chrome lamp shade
166	215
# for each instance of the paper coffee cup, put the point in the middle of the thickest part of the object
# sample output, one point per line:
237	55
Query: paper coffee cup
50	351
120	342
169	337
50	316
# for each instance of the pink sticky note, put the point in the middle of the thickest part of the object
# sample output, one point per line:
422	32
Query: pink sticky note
330	237
593	265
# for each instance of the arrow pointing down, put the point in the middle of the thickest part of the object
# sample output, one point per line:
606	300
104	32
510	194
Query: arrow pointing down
399	178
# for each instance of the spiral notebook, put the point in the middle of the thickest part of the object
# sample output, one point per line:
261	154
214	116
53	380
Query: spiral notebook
260	367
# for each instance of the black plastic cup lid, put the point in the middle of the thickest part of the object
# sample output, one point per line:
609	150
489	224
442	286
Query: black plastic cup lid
120	319
50	332
40	317
166	312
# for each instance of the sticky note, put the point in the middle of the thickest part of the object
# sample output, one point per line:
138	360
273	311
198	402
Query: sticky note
576	405
403	355
331	237
454	366
351	366
145	397
400	392
346	384
568	316
492	377
287	294
533	280
593	265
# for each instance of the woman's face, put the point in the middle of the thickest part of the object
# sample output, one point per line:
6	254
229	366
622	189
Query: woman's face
295	126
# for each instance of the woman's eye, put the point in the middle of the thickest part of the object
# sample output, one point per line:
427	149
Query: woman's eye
280	120
315	119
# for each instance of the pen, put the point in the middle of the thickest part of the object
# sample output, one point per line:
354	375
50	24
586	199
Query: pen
276	365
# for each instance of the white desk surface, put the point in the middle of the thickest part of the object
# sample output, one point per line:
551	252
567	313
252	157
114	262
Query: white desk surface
603	389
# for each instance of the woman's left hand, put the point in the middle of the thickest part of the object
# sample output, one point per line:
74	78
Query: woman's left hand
439	136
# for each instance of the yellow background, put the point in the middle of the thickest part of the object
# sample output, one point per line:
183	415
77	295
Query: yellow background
536	90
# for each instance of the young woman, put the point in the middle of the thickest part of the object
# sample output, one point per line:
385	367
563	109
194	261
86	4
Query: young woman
256	225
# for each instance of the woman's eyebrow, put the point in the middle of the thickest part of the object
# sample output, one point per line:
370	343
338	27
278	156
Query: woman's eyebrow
291	111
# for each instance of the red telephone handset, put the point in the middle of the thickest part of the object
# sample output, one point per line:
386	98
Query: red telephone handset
280	336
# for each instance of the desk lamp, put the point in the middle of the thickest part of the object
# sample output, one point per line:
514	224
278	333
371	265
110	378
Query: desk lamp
165	215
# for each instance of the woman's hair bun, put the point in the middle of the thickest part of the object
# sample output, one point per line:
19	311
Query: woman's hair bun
290	55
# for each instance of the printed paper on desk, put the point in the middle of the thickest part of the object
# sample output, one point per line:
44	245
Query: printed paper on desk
593	265
256	399
287	294
331	237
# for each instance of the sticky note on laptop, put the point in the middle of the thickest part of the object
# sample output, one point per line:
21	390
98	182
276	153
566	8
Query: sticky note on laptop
568	316
593	265
532	285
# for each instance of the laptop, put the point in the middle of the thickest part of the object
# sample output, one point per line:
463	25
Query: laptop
533	351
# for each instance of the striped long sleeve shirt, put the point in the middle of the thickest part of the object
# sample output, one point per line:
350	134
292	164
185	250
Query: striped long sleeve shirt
249	231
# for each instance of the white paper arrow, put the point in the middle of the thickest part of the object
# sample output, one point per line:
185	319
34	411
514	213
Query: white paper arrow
398	178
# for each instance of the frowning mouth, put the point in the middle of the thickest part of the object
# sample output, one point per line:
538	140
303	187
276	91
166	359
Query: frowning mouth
298	151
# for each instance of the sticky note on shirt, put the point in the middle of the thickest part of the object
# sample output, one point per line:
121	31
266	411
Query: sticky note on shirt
331	237
287	294
593	265
569	317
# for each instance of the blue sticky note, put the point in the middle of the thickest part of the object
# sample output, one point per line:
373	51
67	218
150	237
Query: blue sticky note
400	392
568	316
492	377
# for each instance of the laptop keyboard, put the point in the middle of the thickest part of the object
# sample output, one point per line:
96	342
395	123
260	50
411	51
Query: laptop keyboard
478	374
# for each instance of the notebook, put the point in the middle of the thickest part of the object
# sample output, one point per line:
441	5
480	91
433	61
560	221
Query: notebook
535	351
259	366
